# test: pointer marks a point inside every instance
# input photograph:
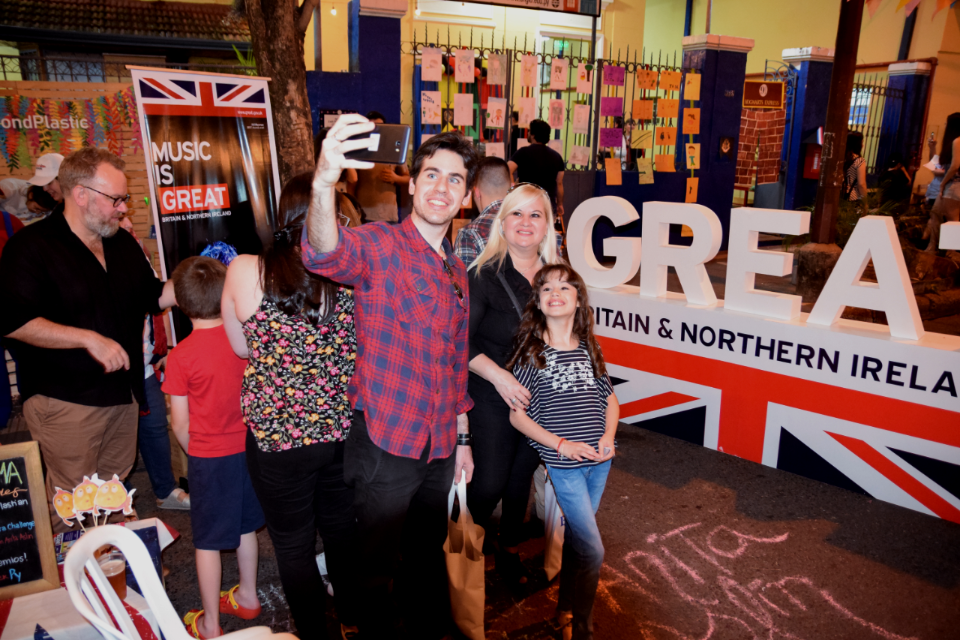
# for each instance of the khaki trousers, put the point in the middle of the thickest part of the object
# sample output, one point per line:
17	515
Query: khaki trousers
77	440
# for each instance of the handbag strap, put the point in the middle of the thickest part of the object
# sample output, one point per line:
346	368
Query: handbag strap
513	297
460	489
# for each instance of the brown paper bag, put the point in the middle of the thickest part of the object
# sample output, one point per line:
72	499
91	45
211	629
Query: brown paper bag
463	551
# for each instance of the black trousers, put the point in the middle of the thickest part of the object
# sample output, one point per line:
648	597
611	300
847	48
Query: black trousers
401	507
302	492
504	464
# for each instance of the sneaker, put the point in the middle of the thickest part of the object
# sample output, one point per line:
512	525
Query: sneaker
178	500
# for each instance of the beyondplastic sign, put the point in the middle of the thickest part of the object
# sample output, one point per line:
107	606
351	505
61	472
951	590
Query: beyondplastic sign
873	408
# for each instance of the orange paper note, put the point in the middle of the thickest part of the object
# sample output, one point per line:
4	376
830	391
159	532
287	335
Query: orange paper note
670	80
646	79
664	163
667	108
666	136
691	193
691	86
614	175
642	109
691	121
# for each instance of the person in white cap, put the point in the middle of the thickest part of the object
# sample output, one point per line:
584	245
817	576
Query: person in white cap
46	176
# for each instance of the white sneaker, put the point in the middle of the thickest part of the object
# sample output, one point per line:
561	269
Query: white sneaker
178	500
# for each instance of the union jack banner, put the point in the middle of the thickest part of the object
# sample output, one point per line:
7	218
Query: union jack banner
169	93
862	412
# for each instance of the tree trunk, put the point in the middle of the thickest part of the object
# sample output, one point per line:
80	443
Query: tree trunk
277	39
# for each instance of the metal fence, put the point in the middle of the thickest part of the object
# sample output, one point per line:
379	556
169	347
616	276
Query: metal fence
553	105
871	104
93	68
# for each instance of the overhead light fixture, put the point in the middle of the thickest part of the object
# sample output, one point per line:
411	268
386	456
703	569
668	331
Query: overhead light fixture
417	12
333	11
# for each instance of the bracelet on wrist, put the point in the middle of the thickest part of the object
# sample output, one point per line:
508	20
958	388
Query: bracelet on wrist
464	439
560	444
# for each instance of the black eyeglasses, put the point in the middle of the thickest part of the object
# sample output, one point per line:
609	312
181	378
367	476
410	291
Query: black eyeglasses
116	199
453	281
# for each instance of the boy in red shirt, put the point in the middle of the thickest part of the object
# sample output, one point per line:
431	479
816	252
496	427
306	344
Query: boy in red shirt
203	379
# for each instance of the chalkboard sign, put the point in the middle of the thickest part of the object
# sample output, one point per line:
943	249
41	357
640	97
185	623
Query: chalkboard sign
27	561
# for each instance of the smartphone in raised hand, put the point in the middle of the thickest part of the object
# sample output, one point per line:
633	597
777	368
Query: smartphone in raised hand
388	144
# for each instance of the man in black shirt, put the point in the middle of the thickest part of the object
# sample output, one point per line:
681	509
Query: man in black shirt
77	292
541	165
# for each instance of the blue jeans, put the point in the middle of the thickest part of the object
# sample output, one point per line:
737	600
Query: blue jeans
578	492
154	441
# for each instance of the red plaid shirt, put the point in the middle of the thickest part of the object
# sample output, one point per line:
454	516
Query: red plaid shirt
411	377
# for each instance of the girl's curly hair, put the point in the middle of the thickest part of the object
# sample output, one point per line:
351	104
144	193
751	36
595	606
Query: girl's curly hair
528	345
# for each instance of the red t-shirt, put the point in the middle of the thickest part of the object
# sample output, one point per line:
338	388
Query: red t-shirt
206	370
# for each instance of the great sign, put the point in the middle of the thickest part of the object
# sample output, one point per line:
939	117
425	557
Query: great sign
869	407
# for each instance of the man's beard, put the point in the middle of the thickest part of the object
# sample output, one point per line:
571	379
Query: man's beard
106	229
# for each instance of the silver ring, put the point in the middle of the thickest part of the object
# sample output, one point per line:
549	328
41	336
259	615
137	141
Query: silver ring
513	401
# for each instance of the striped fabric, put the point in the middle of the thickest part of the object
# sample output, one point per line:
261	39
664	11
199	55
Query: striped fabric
567	401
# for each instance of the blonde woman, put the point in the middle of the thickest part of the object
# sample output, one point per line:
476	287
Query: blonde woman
522	240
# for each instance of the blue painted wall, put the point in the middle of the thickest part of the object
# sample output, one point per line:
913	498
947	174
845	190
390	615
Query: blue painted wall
810	113
373	83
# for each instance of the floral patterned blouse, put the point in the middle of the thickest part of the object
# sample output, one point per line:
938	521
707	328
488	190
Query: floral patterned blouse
295	386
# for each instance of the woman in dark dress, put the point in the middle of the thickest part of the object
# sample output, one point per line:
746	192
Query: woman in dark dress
522	239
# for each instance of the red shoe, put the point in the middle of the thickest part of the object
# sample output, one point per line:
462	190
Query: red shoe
230	607
190	622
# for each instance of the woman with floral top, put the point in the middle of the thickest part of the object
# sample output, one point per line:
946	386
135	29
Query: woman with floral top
297	332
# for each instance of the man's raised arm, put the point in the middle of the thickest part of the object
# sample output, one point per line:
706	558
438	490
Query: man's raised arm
322	229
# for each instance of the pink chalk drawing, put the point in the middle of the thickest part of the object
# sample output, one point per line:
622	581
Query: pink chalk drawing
699	568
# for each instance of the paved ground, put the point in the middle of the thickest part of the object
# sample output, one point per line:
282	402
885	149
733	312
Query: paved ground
704	545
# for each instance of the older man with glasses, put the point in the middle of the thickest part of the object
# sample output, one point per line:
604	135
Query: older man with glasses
78	292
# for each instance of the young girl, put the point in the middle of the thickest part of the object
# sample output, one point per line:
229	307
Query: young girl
571	421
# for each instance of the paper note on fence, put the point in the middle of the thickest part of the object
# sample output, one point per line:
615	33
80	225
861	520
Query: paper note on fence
645	169
584	79
646	79
666	136
613	75
670	81
641	139
667	108
556	145
431	65
691	121
528	112
494	149
691	192
463	110
558	74
614	174
664	163
496	112
642	109
581	118
691	86
691	152
580	155
430	107
464	72
612	106
497	68
557	114
528	71
611	137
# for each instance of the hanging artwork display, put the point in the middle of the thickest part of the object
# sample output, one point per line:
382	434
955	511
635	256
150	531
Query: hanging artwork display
581	118
613	171
613	75
691	121
611	137
463	110
528	71
667	108
496	112
664	163
430	107
691	86
642	139
584	79
556	114
645	169
558	74
670	81
528	112
692	155
431	65
494	150
642	109
691	192
646	79
464	69
497	69
557	145
580	155
666	136
612	106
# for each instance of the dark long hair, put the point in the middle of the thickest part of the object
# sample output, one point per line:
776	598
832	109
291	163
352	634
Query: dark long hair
285	281
528	345
950	133
853	149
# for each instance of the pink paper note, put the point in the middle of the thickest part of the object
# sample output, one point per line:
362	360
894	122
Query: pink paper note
611	107
614	75
611	137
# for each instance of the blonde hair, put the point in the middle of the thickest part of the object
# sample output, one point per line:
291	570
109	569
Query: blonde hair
496	249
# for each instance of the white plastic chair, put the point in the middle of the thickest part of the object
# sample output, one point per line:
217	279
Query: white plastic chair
89	605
